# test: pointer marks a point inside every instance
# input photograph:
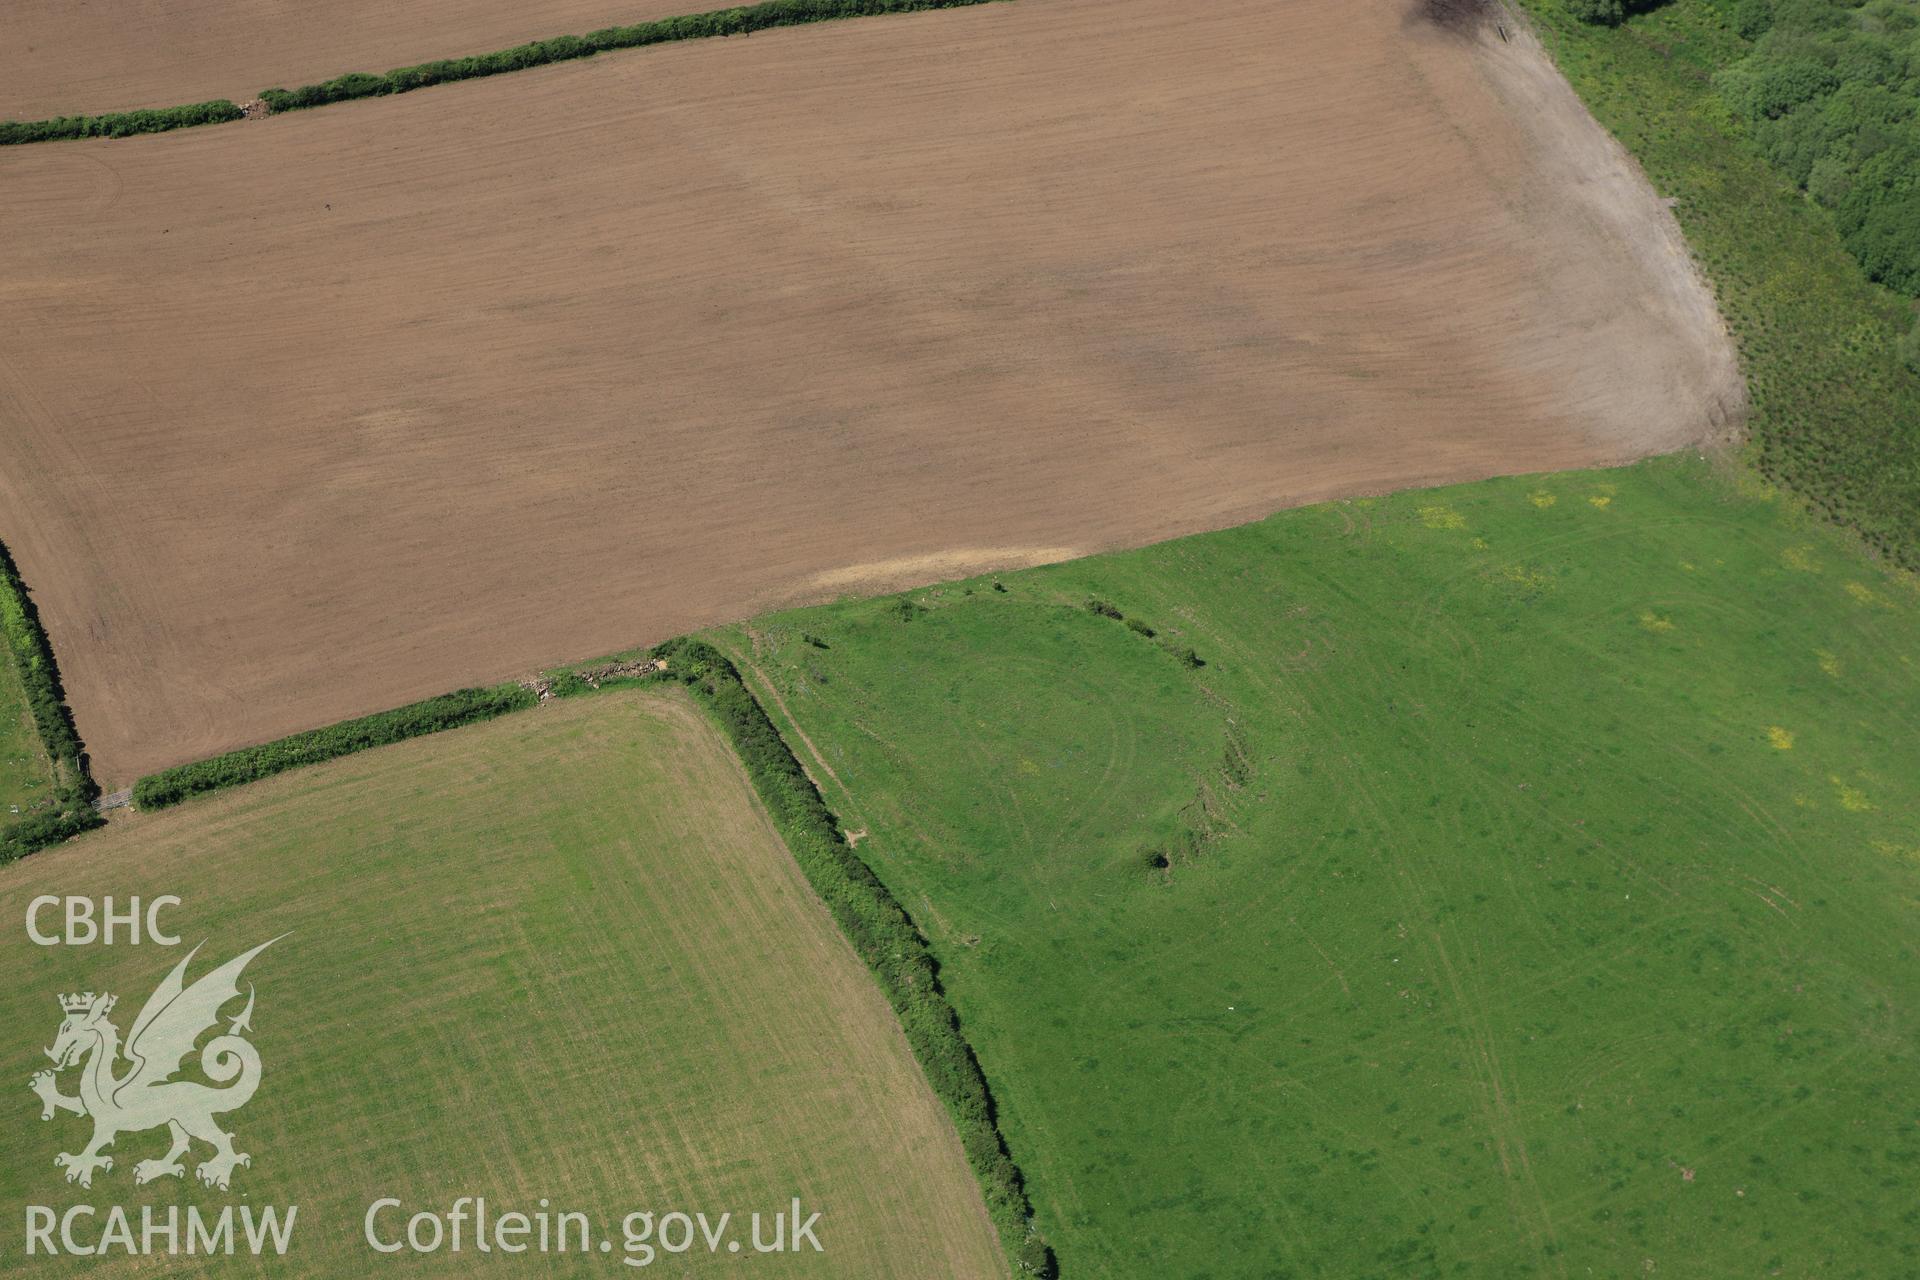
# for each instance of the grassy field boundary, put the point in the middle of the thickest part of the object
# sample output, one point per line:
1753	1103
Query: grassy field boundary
881	932
32	657
740	20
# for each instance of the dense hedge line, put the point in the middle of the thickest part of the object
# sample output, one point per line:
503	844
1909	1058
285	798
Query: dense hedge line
880	931
248	764
46	827
32	656
25	642
119	124
720	22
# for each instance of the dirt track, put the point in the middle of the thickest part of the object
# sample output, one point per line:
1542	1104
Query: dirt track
82	57
308	417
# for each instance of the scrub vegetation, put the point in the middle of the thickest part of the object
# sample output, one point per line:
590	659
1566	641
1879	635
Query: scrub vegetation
1788	134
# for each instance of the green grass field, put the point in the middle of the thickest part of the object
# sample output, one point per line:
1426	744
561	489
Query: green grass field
26	772
26	776
560	954
1542	875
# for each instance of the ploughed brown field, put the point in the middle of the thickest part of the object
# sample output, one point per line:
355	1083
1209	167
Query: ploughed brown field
85	57
307	417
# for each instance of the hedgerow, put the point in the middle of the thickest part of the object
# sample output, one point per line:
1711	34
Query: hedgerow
47	827
739	21
881	932
119	124
25	641
32	656
170	786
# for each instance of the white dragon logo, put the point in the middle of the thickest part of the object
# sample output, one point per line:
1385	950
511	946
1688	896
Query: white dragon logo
147	1096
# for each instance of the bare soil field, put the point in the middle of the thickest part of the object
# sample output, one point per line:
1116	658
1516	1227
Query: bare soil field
85	57
307	417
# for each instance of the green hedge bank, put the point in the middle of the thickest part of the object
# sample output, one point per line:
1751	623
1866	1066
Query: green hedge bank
170	786
27	649
880	931
739	21
119	124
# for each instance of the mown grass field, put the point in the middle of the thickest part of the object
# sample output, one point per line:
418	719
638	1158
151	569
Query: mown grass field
1543	873
560	954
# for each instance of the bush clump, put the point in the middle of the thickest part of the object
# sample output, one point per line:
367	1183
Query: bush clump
119	124
170	786
880	931
1188	658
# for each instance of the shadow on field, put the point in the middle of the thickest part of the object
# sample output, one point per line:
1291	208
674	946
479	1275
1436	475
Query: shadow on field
1459	17
1469	17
